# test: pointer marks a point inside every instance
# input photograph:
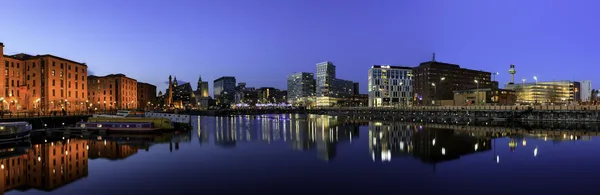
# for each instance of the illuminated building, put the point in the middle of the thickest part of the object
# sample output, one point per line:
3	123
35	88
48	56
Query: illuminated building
202	88
390	86
42	83
437	81
586	91
146	95
113	91
224	89
328	88
486	96
301	88
553	92
271	95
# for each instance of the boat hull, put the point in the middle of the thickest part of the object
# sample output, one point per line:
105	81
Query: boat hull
159	123
14	131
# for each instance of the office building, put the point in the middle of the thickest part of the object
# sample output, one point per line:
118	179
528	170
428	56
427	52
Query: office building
329	89
202	88
146	95
390	86
114	91
550	92
223	89
42	83
586	91
301	88
437	81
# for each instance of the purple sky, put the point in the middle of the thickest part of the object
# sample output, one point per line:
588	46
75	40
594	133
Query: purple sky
262	41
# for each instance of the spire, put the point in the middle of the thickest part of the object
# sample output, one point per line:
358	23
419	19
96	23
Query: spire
433	59
175	81
200	79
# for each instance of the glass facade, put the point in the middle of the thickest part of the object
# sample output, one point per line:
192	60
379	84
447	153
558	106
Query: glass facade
325	78
301	88
553	92
390	86
224	84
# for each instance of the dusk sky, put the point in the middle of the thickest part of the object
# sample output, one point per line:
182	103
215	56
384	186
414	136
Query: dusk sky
260	42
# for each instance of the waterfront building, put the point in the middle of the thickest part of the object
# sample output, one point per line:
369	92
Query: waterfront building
390	86
586	91
224	89
42	83
485	96
202	88
146	95
113	91
549	92
201	94
437	81
301	88
182	94
329	89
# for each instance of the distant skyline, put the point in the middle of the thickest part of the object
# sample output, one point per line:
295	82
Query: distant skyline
261	42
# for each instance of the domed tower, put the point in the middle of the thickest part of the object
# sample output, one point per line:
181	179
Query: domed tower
512	71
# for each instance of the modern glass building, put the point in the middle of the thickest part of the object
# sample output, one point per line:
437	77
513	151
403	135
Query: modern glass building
301	88
224	85
325	78
390	86
551	92
586	91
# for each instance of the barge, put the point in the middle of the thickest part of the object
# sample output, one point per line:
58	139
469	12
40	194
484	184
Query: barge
158	123
15	131
118	126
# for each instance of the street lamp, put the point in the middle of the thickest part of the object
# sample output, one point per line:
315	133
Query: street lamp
494	75
477	97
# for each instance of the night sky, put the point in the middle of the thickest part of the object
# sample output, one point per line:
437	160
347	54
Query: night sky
260	42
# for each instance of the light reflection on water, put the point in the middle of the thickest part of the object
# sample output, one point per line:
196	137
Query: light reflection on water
276	152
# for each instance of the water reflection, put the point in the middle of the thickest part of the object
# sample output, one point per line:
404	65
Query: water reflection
54	162
302	132
389	140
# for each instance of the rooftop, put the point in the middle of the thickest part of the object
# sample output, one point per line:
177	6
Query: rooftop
391	67
24	56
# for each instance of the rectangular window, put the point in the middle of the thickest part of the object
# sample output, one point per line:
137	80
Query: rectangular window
76	85
62	93
53	82
53	72
34	83
53	93
69	93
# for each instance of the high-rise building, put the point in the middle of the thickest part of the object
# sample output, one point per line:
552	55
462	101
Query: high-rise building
356	89
325	79
113	91
436	81
202	88
390	86
549	92
301	88
42	83
146	95
586	91
329	89
224	89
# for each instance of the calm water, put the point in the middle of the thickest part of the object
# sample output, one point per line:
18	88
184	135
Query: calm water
303	154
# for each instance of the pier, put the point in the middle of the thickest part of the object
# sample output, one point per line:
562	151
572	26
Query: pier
435	113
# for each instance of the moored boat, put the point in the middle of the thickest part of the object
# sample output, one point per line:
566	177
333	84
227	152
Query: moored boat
158	123
118	126
15	130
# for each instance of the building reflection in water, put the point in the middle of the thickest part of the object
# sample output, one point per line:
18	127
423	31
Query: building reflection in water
54	163
388	140
303	132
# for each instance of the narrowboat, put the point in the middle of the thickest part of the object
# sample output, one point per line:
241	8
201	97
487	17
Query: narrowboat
14	130
118	126
159	123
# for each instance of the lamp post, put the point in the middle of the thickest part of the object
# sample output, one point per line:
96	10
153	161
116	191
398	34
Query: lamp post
477	91
536	89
